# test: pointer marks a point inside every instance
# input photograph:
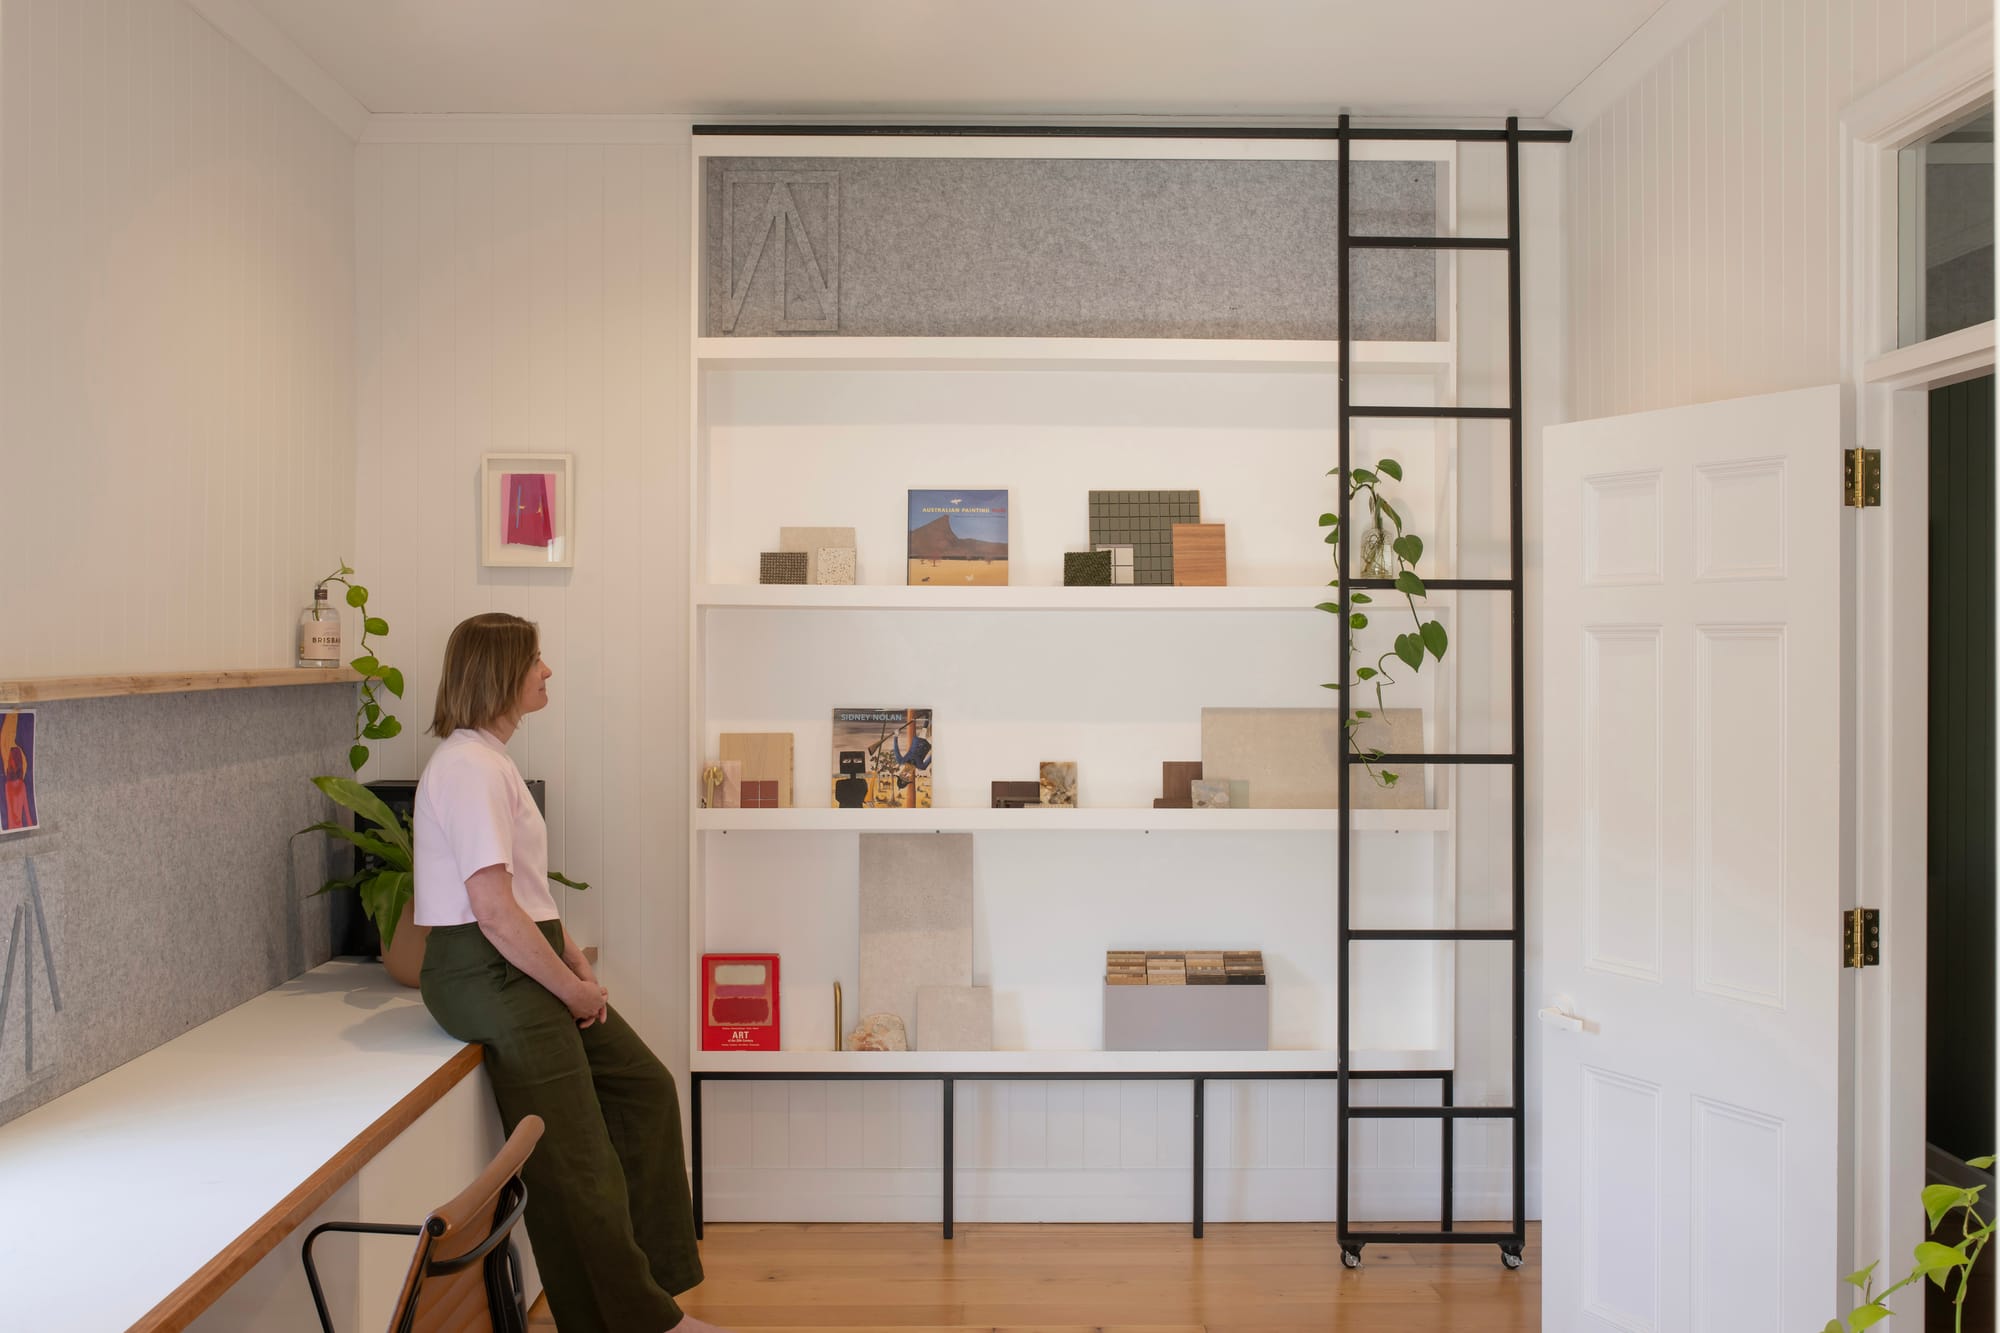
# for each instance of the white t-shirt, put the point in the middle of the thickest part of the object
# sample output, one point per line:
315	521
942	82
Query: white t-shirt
473	811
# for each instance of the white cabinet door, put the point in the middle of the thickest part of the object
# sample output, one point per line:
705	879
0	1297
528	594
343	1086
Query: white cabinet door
1692	836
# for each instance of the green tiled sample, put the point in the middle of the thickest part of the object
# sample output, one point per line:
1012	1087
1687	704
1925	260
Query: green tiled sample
1143	520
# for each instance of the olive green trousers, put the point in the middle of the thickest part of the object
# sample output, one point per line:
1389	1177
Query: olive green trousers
609	1213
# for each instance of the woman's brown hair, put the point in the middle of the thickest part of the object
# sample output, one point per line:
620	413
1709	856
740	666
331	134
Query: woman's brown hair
485	661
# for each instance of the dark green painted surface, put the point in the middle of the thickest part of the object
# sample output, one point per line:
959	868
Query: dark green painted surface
1959	1118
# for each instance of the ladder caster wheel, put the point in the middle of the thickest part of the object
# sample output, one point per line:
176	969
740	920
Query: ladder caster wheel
1350	1256
1510	1256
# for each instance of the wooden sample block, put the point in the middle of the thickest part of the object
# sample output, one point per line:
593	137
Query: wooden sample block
811	541
1200	556
781	567
1292	756
1016	795
765	757
916	920
1086	569
1177	780
1166	969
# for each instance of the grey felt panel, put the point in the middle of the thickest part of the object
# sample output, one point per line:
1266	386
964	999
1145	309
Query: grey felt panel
1052	248
168	878
916	920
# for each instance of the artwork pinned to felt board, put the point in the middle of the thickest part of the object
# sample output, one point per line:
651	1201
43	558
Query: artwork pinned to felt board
17	771
883	758
958	538
527	511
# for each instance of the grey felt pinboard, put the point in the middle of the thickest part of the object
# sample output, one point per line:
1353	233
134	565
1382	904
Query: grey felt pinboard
1044	247
169	886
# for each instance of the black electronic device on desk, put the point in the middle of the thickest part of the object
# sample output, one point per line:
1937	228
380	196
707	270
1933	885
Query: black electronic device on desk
352	932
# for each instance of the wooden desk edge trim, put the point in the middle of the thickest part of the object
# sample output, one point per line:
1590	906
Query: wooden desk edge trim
188	1300
48	689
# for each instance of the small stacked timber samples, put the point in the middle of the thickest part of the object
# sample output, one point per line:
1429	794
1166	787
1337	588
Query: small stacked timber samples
1125	967
1184	967
1243	967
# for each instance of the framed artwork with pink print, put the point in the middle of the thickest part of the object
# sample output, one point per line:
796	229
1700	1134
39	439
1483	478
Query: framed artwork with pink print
527	511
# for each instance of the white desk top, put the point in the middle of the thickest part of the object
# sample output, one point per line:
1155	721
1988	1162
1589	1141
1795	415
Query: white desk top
169	1160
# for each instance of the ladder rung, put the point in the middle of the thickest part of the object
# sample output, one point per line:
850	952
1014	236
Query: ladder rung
1436	413
1442	585
1430	1112
1428	242
1430	935
1421	758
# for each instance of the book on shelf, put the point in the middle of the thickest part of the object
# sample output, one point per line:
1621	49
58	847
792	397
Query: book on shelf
883	758
958	538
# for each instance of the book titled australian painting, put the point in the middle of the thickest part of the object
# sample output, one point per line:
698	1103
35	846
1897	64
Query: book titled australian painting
958	538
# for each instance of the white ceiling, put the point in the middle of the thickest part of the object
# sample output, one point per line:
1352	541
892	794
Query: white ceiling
1458	58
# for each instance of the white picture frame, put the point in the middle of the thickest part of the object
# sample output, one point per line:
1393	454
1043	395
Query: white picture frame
535	527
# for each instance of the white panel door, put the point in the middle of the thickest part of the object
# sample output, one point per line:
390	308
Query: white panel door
1692	770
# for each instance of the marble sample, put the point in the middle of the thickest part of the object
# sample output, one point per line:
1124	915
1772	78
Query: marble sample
879	1032
832	565
1210	795
1058	784
1292	755
955	1018
916	919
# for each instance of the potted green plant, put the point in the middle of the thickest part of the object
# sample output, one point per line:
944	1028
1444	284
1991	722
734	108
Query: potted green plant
1934	1259
384	879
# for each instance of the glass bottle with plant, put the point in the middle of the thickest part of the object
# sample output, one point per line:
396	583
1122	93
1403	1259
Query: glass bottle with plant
1424	639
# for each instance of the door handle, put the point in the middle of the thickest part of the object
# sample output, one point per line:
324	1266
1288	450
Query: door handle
1557	1014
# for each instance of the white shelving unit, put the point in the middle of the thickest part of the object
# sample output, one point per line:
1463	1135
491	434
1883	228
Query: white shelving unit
824	430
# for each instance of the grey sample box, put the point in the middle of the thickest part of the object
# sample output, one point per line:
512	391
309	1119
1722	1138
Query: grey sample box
1187	1018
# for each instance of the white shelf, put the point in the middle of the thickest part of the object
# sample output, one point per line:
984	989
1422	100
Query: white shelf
896	597
1051	1062
810	352
1085	820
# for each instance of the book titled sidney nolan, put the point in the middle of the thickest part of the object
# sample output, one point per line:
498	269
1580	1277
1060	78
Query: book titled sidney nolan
882	758
958	539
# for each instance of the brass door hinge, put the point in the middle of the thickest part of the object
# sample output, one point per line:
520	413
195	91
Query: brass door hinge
1861	478
1860	937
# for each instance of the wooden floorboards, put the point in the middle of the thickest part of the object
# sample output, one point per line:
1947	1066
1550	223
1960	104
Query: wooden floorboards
847	1278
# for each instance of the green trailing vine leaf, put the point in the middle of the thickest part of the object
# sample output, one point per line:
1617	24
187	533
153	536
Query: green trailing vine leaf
1426	637
1935	1261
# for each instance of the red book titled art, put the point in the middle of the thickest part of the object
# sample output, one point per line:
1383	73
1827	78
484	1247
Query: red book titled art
739	1002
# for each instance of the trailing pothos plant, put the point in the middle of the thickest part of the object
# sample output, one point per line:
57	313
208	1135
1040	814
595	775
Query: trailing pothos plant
1424	639
1934	1259
371	721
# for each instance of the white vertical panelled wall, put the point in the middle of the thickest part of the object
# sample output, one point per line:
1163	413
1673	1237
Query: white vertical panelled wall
522	287
1704	201
176	319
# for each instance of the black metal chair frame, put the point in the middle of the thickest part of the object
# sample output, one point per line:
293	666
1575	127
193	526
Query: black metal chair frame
505	1297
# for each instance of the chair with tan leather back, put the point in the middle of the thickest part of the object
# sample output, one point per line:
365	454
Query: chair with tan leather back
465	1275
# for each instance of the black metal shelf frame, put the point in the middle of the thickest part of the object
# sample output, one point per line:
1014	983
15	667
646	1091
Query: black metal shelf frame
948	1109
1512	1241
